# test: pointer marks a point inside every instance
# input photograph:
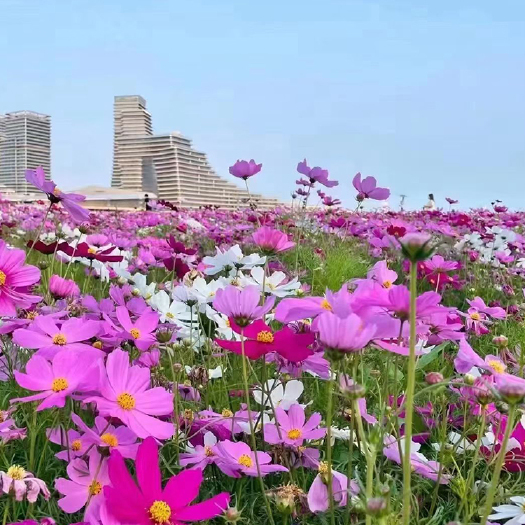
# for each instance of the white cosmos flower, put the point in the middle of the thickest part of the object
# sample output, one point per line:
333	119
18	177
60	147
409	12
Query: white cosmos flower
213	373
272	283
232	258
144	289
460	445
223	327
280	396
516	511
205	292
489	440
173	312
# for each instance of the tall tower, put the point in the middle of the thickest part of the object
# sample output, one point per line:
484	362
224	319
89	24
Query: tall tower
132	123
25	143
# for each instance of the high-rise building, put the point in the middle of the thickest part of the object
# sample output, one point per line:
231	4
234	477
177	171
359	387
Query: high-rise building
25	143
167	165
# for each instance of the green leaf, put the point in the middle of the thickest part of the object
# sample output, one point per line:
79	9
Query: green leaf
426	359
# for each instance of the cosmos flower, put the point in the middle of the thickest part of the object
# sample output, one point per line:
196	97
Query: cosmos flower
20	483
244	169
271	241
63	288
16	281
367	189
141	331
125	393
148	503
316	174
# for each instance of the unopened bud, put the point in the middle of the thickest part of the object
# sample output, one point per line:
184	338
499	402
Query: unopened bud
355	391
164	335
469	379
501	341
43	265
376	506
511	389
232	515
433	378
416	246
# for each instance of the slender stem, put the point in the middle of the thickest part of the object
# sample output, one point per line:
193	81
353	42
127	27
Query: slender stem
32	441
499	464
39	231
175	388
409	400
329	449
252	431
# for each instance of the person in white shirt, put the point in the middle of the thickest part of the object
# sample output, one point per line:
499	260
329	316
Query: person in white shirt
431	204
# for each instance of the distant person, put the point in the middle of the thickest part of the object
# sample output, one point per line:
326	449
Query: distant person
431	204
146	202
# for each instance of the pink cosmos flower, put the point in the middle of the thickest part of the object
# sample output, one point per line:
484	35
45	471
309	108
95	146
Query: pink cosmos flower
316	174
242	305
261	340
69	200
318	496
21	483
150	504
367	189
49	339
467	358
125	393
381	274
420	464
84	486
55	381
244	169
292	429
8	429
73	441
200	456
272	241
496	312
345	382
16	280
451	201
140	331
238	458
63	288
347	334
106	436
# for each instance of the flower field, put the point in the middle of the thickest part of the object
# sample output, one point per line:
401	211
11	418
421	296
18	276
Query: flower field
304	365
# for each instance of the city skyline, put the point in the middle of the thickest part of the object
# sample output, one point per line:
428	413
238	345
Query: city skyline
167	164
25	143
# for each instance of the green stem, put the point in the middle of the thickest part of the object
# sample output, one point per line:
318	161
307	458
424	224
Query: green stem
252	432
409	400
32	441
175	387
499	464
329	450
39	231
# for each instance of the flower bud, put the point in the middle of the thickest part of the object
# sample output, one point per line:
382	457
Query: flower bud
43	265
416	246
355	391
376	507
501	341
469	379
510	388
164	335
232	515
433	378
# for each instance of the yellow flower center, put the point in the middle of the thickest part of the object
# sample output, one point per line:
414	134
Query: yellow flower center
59	384
245	461
32	315
208	451
76	445
323	467
326	305
226	412
227	323
188	414
169	315
59	339
497	366
57	191
135	333
126	401
387	284
475	316
265	337
109	439
2	278
97	344
16	472
95	488
295	433
160	512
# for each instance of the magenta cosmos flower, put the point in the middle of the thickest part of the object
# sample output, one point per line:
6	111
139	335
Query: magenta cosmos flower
316	174
150	504
45	336
125	393
347	334
244	169
238	458
140	331
242	305
292	428
84	486
367	189
55	381
63	288
16	280
261	340
69	200
272	241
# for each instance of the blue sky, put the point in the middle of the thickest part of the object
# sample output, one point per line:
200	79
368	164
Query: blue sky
426	96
